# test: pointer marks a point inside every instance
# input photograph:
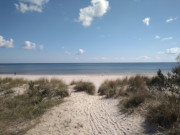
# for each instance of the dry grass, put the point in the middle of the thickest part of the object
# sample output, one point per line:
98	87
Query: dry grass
166	114
85	86
139	93
41	95
112	88
125	86
133	101
6	84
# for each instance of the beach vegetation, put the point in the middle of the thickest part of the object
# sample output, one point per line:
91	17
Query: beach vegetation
25	108
126	86
158	98
166	114
73	82
133	101
6	84
85	86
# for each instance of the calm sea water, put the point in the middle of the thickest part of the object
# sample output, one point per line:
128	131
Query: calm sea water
84	68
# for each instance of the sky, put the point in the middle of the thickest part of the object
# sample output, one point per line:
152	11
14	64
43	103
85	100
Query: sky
63	31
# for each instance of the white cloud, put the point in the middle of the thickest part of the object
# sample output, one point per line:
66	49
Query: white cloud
29	45
175	50
171	19
30	5
167	38
97	9
41	47
157	37
146	21
6	43
81	51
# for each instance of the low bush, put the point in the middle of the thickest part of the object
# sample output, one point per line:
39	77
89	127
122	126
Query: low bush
166	113
134	101
176	75
85	86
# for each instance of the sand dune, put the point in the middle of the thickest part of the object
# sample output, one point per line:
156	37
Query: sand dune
83	114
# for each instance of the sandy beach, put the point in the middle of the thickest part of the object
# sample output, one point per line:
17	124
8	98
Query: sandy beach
83	114
96	79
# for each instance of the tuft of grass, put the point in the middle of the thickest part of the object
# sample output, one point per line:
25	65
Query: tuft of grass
112	88
134	101
137	84
7	83
119	87
26	107
166	114
85	86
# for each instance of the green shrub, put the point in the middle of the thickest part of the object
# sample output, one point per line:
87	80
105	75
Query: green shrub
85	86
176	75
159	80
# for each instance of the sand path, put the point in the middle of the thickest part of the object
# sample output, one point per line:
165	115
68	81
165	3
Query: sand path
82	114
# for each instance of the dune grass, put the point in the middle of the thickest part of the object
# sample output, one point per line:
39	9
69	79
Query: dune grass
166	114
125	86
88	87
134	101
7	83
22	109
160	96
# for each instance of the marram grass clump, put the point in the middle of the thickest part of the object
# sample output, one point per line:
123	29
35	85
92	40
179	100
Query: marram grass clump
126	86
134	101
166	114
85	86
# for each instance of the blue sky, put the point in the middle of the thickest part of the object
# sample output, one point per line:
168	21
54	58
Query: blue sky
40	31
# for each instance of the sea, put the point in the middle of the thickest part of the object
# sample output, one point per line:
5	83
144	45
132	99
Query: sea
85	68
